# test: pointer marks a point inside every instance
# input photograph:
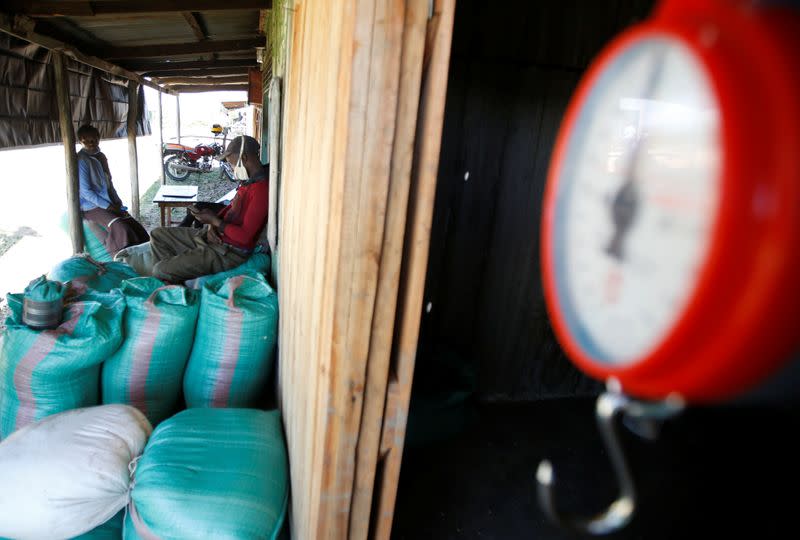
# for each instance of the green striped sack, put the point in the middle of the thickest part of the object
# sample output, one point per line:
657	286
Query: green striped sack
50	371
234	346
85	273
211	473
147	370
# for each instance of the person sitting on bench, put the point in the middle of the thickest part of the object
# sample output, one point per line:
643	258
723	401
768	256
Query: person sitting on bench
229	236
98	198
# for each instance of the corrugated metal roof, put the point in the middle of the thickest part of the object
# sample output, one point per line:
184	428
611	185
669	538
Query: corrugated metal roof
147	36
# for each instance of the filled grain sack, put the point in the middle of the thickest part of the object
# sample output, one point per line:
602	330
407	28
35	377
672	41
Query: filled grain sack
234	344
138	257
69	473
147	369
110	530
86	273
211	473
258	263
94	236
43	372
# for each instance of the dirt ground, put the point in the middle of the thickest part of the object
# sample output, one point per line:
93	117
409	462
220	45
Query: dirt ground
209	188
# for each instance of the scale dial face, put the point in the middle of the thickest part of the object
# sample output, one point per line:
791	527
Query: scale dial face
636	201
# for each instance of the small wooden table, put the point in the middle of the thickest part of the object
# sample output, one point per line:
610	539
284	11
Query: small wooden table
169	197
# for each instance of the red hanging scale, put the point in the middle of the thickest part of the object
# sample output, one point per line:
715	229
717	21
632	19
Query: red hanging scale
671	221
671	232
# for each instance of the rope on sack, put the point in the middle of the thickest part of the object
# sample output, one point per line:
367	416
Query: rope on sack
130	507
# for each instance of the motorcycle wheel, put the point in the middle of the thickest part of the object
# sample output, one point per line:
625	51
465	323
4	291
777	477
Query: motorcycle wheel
178	175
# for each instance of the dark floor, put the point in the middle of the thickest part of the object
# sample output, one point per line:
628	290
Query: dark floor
713	473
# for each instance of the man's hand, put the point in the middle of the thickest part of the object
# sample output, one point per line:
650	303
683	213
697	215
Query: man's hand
207	217
212	236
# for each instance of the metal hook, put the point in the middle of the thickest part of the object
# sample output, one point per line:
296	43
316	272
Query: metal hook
610	404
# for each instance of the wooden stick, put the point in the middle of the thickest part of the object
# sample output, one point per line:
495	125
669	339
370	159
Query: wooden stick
184	88
178	113
202	72
193	67
70	157
161	140
232	79
133	113
274	134
194	47
193	19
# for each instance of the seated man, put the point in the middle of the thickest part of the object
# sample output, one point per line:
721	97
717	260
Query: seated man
98	198
228	237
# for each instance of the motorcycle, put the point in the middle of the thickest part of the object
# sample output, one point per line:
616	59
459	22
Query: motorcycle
182	160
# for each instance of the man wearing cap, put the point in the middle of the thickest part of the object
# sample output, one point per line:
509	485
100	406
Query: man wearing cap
227	238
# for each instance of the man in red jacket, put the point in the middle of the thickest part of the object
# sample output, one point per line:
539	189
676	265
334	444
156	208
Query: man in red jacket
228	237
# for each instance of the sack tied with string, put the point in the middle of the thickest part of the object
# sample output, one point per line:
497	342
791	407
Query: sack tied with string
147	369
69	473
211	473
43	372
234	345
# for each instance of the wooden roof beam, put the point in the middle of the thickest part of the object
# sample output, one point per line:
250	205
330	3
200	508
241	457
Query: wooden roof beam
23	27
195	21
184	88
234	79
207	72
172	49
151	66
89	9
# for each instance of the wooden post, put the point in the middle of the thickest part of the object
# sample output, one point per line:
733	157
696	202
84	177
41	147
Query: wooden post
274	134
178	107
70	157
161	140
133	113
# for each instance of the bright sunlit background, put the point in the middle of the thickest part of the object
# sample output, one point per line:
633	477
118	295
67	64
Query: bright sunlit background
33	191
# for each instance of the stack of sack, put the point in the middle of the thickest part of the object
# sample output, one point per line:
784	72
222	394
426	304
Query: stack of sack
147	350
43	372
69	473
205	473
159	327
234	345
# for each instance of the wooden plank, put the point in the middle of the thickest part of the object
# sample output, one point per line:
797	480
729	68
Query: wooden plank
274	134
413	48
412	281
194	67
207	72
186	88
371	128
70	157
231	79
133	158
193	20
161	178
339	126
23	27
194	47
87	9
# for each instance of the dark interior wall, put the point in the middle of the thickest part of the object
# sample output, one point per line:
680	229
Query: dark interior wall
514	67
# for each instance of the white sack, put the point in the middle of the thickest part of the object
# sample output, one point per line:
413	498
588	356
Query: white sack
68	473
138	257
